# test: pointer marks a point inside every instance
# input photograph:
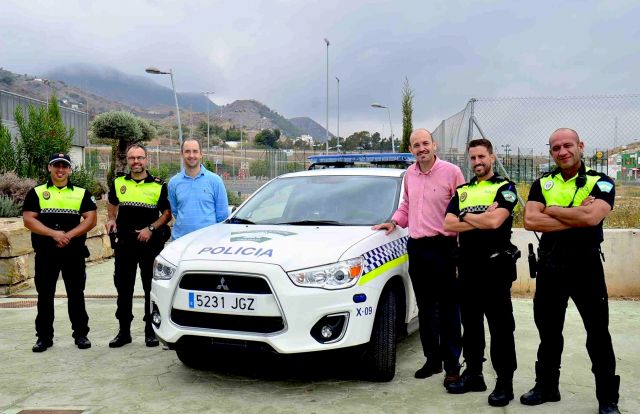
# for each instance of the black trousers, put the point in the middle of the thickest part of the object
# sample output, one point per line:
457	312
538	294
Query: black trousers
130	254
49	264
433	275
577	275
486	292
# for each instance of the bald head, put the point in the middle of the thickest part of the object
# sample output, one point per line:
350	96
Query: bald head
565	133
420	134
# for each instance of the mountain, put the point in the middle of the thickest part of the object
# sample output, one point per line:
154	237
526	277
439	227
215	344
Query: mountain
138	91
253	115
311	127
68	96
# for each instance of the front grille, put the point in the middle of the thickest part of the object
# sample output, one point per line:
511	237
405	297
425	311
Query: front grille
189	342
258	324
213	282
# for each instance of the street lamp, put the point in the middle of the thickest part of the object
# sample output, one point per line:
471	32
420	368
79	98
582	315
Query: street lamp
327	123
377	105
206	94
338	144
156	71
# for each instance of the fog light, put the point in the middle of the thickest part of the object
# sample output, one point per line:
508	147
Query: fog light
326	332
156	319
330	328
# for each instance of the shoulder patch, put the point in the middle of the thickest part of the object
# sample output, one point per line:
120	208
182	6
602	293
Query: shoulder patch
510	196
605	186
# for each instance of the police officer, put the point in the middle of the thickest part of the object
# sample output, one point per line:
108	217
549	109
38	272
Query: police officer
53	213
481	212
138	213
568	205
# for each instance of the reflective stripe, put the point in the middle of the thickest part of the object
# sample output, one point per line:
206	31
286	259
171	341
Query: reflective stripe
59	211
368	277
137	204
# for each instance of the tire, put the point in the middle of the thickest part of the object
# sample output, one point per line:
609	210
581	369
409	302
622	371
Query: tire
380	357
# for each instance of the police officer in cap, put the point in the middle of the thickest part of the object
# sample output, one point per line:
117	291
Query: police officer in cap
568	205
59	216
481	212
138	213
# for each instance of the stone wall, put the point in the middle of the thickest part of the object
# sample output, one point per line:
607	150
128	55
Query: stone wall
16	253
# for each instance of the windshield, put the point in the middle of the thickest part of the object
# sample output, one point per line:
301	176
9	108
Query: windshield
325	200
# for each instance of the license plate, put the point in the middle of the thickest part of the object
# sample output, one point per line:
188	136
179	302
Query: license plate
233	303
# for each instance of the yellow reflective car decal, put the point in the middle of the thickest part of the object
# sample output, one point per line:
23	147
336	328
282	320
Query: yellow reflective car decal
366	278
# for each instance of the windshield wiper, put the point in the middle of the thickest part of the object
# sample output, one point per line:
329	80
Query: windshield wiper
238	220
312	223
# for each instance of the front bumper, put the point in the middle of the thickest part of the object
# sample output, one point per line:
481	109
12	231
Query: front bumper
286	318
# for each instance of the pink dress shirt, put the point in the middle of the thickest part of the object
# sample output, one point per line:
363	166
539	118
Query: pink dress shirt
426	197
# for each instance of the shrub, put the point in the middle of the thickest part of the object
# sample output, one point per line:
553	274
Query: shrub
14	187
85	178
8	207
7	152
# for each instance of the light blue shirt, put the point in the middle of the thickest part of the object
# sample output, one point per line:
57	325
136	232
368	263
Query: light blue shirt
197	202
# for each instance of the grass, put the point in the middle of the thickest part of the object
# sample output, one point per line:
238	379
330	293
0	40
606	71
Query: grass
625	214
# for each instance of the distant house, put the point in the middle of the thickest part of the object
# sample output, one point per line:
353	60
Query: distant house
72	118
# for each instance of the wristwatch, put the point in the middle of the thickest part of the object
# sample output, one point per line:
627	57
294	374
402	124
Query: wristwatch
151	228
395	223
462	214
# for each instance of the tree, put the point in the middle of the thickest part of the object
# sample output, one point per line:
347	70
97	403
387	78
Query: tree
7	152
41	133
120	129
267	138
407	114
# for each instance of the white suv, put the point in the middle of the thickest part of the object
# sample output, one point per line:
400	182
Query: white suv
296	268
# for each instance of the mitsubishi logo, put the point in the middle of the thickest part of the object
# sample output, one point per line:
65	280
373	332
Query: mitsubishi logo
222	285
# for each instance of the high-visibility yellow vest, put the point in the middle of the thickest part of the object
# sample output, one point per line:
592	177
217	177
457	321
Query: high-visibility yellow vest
572	192
478	196
56	200
142	194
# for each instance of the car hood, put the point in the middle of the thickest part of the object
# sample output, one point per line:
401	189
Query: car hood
290	247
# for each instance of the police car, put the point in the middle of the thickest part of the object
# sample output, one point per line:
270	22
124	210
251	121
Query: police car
295	269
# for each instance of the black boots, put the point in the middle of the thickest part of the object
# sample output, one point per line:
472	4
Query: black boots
123	338
470	381
540	394
42	345
503	392
428	370
546	388
607	394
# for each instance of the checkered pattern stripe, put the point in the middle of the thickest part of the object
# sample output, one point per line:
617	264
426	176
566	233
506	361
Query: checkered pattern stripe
476	209
59	211
385	253
138	204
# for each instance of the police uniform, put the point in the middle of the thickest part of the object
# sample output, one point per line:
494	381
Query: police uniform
60	209
486	270
570	266
140	203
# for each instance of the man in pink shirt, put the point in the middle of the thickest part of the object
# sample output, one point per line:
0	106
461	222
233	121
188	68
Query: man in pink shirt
429	185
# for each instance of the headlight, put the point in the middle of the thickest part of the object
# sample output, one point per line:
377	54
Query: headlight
339	275
162	269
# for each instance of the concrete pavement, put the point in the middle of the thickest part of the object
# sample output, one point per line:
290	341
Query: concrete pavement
144	380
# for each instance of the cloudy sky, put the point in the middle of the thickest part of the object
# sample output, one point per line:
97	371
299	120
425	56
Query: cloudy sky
274	52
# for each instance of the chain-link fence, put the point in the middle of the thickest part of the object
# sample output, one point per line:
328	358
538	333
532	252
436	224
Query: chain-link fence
519	129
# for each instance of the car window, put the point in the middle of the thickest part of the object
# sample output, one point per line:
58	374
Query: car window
346	200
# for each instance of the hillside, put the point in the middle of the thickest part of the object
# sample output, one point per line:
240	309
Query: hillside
69	96
138	91
311	127
252	115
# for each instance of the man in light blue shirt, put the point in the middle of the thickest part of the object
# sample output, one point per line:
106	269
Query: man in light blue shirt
197	196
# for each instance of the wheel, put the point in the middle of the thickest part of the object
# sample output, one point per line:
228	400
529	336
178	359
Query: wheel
380	357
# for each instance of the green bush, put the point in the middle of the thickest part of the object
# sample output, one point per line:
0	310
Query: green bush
85	178
8	207
7	152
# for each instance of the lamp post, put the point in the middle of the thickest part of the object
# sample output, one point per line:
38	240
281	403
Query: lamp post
327	112
206	94
338	142
377	105
156	71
